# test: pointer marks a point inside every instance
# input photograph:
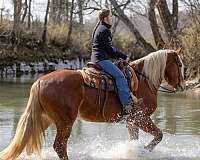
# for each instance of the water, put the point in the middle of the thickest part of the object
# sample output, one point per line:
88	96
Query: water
178	116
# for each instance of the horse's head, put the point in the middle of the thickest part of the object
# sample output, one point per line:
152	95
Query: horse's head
174	70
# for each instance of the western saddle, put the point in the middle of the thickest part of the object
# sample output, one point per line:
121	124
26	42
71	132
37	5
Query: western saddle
94	77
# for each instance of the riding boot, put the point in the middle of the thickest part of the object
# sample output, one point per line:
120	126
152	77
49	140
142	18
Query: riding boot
130	108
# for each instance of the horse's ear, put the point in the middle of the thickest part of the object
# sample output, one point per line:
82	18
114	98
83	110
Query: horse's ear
179	51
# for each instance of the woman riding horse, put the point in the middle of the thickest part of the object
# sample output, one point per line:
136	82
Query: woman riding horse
102	50
61	96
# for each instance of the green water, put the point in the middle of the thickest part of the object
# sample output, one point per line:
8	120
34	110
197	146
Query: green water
177	115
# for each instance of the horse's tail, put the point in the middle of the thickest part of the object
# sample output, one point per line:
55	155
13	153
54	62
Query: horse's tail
30	128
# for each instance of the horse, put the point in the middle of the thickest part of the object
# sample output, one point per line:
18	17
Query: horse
61	96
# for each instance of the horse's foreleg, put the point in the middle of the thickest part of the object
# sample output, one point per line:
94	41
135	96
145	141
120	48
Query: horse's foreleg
60	144
157	138
145	123
133	131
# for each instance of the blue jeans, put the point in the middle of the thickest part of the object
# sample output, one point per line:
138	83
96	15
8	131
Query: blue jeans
121	82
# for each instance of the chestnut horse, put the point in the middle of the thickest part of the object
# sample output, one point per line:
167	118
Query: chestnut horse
59	97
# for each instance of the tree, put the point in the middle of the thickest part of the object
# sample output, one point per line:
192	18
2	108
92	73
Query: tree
15	36
80	10
169	20
25	11
190	38
17	15
147	46
154	25
169	23
29	14
45	23
58	11
52	13
70	24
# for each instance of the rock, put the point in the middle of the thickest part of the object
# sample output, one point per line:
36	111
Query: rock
197	86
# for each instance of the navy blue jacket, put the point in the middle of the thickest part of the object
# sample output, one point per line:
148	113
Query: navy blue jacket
102	48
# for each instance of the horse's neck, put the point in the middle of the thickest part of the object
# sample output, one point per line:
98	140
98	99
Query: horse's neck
142	77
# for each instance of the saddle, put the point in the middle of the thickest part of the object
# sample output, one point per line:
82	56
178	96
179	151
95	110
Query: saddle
95	77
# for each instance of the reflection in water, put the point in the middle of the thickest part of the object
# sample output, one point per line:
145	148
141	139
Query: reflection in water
177	115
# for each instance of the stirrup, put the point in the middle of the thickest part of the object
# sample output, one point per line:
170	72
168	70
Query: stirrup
122	117
127	109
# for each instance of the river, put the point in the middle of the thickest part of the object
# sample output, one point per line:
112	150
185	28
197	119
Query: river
178	116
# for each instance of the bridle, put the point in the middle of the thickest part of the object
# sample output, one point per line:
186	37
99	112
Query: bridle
164	89
179	66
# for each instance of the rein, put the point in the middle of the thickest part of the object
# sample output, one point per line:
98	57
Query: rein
166	90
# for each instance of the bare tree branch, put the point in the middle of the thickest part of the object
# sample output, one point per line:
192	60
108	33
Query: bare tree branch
147	46
154	25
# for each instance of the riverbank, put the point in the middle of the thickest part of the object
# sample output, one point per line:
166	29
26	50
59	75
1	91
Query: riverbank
193	87
34	57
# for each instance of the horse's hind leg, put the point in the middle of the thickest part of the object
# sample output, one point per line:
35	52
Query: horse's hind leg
60	143
133	131
145	123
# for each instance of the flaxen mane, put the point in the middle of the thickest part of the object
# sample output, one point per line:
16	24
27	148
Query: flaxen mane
154	66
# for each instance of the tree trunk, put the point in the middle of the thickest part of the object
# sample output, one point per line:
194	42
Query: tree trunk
147	46
70	24
25	11
17	13
166	18
29	14
67	11
45	23
80	11
16	26
154	26
117	20
169	21
2	15
175	14
59	12
52	14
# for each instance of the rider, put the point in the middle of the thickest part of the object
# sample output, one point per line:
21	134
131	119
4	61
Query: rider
102	50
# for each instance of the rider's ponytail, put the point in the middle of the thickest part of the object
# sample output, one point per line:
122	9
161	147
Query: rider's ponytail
95	28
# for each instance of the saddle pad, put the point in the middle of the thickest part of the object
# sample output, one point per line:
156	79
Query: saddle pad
97	79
